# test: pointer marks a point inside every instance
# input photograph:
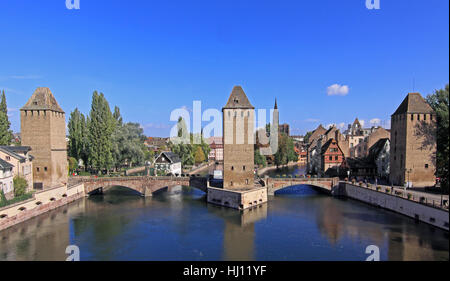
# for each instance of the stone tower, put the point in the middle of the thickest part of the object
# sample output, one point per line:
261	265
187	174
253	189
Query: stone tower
276	116
43	128
238	135
413	142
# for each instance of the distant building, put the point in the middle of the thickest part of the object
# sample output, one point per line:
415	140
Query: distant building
284	129
238	130
216	152
168	163
331	155
20	158
6	178
43	128
379	154
413	143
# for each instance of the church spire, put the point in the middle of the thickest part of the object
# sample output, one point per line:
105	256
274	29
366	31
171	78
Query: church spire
276	106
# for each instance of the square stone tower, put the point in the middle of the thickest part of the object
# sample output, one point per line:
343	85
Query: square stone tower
43	128
238	135
413	143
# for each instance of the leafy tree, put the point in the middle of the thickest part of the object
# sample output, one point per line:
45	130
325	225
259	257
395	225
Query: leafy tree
259	159
20	186
117	116
5	132
77	137
439	101
101	128
73	164
307	136
199	155
128	144
286	151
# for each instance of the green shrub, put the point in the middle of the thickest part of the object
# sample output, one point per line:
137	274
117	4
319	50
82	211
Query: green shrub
409	195
20	186
23	197
387	190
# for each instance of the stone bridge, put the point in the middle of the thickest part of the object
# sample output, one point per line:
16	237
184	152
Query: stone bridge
145	185
322	184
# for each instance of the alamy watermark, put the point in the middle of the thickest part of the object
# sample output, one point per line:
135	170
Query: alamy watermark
373	4
374	253
73	4
238	124
73	253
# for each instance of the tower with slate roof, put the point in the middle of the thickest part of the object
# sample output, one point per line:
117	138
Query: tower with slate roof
238	135
43	128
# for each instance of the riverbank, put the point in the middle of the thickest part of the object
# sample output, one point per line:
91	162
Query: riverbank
430	214
41	202
264	170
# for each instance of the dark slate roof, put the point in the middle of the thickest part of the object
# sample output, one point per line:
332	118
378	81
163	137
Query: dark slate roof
42	99
7	150
414	103
5	165
376	148
238	99
17	149
173	158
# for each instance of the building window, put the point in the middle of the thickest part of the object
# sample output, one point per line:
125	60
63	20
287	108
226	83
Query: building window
231	183
45	169
246	181
418	117
336	158
425	117
330	158
412	117
243	168
37	169
426	166
232	168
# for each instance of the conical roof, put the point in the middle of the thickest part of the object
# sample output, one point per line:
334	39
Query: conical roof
238	99
414	103
42	99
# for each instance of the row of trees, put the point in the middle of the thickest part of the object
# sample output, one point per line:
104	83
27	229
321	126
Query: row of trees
102	140
6	134
439	101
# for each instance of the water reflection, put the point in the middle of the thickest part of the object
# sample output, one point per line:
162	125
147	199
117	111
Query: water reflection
177	224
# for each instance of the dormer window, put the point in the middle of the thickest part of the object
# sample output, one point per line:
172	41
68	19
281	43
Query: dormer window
236	100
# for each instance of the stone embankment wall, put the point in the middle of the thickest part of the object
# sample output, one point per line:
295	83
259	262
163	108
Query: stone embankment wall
41	202
424	213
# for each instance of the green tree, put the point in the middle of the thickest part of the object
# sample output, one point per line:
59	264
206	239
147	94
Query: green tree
286	151
101	128
20	186
260	160
77	139
439	101
128	144
199	155
5	132
73	164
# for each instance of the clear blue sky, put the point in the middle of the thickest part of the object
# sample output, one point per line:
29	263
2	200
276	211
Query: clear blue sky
150	57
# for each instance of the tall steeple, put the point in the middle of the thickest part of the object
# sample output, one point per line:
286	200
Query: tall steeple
276	106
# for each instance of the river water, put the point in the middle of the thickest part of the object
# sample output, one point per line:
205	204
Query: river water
298	223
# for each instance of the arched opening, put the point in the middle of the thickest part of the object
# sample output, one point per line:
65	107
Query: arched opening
297	190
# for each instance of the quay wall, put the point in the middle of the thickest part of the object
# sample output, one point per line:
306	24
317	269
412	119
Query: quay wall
41	202
424	213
